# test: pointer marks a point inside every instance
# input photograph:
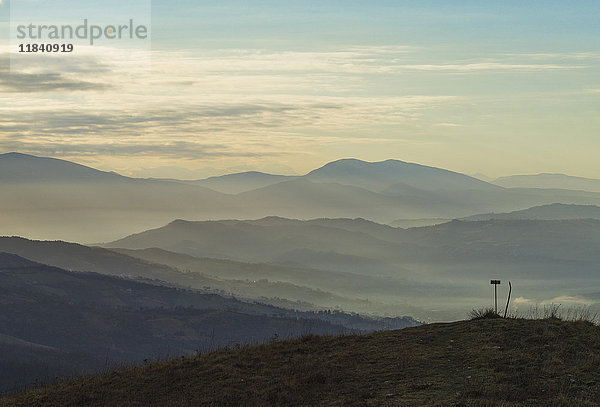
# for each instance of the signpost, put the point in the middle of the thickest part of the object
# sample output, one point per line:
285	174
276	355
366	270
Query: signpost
495	283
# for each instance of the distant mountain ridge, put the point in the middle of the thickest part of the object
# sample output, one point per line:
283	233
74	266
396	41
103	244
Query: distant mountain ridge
263	240
424	266
551	181
241	182
281	285
373	176
17	167
544	212
54	199
383	174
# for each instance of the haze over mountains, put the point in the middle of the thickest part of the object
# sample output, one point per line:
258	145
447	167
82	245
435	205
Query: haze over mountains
419	271
320	238
55	322
286	286
260	254
54	199
558	181
545	212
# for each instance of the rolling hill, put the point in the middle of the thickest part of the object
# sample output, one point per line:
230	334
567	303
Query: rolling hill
377	176
373	176
304	199
57	198
423	267
259	241
552	181
272	283
24	168
545	212
55	322
489	362
289	287
265	241
241	182
47	198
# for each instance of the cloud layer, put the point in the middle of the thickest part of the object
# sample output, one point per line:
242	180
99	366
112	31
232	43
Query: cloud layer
228	103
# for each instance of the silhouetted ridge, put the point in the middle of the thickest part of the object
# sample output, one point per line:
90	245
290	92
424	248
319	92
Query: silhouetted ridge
487	362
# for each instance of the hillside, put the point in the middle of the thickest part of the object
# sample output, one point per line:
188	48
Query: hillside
46	198
303	198
57	198
16	167
55	322
373	176
379	175
561	181
284	286
489	362
240	182
343	241
445	266
545	212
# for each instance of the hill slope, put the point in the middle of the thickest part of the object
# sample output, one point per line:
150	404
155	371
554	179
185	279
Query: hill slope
16	167
437	267
561	181
564	240
45	198
241	182
490	362
280	285
55	322
545	212
379	175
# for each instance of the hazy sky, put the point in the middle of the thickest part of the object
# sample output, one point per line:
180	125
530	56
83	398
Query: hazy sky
493	87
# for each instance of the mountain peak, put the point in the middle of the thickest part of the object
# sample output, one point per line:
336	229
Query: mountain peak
14	154
379	175
19	167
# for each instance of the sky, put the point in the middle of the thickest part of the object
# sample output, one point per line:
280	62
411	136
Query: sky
494	88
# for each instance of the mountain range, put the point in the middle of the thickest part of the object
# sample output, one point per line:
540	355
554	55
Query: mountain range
55	322
287	286
419	269
241	258
549	181
47	198
545	212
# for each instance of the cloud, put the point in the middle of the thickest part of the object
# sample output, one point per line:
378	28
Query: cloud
350	61
569	300
176	149
237	102
218	119
566	300
488	66
448	125
554	55
49	74
48	82
523	301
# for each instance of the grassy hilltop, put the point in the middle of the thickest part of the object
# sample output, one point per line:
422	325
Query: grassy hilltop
485	362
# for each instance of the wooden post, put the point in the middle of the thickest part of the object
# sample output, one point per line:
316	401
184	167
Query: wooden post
495	283
508	300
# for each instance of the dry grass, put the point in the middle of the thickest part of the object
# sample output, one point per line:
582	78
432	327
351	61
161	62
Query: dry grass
480	363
